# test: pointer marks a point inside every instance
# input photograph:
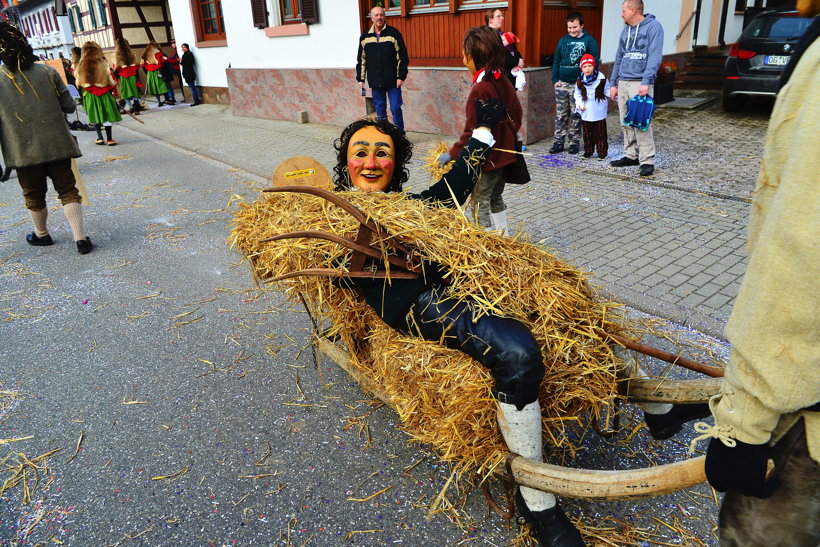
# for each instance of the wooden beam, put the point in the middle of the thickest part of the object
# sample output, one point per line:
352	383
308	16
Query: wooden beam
645	390
144	21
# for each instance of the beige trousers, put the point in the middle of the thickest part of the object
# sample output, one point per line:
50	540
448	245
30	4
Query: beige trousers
637	144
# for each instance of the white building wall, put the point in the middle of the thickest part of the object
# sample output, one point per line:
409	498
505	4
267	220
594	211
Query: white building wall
332	42
50	43
667	12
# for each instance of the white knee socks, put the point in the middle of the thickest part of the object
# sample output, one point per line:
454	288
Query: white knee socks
521	430
652	408
500	222
74	214
39	219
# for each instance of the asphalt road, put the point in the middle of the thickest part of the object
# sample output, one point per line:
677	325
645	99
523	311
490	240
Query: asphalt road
186	406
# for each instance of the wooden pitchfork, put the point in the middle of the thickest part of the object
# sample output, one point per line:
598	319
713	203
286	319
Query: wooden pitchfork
409	266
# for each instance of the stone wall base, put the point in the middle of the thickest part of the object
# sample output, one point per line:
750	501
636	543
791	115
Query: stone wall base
434	98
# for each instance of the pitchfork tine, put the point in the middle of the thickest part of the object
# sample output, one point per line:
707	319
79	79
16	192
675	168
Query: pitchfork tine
345	242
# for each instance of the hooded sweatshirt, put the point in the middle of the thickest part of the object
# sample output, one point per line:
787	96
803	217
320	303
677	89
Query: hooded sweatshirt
640	50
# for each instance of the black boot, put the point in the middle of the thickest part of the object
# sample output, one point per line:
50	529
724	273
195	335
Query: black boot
551	527
98	128
109	139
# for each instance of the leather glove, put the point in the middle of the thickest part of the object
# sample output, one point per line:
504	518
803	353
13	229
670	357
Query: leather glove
444	159
741	468
489	112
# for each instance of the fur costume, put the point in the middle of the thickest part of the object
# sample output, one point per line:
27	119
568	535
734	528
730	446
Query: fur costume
93	68
123	55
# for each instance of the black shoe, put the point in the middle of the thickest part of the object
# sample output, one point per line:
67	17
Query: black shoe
663	426
170	101
602	156
557	148
6	174
196	103
586	154
624	162
551	527
159	104
647	169
84	246
573	149
44	241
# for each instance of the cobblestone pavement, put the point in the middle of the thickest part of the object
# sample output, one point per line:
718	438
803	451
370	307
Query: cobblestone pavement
186	407
671	245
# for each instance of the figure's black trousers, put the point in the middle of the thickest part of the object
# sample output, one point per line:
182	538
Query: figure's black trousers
503	345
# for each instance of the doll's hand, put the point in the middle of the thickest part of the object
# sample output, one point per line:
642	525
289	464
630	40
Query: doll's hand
444	159
489	112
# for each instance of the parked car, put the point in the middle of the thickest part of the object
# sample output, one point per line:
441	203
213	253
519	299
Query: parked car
757	60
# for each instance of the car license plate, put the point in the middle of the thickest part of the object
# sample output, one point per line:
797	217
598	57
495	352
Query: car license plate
776	60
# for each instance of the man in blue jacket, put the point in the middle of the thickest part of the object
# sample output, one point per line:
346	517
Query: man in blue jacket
565	71
637	61
383	60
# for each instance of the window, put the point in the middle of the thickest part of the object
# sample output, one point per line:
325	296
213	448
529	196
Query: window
211	23
71	22
290	11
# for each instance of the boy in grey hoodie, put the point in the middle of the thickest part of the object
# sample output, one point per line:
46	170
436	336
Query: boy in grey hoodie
637	61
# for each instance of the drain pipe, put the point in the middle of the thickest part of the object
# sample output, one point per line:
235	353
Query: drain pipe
723	14
697	22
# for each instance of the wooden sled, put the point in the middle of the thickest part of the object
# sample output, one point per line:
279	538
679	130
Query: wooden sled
570	482
587	483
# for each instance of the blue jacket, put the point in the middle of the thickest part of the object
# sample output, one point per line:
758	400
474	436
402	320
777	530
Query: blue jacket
640	50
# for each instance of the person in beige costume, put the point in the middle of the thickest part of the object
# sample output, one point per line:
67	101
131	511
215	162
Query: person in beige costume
768	405
35	138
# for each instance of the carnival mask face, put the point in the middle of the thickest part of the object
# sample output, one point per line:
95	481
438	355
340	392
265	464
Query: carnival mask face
467	59
371	159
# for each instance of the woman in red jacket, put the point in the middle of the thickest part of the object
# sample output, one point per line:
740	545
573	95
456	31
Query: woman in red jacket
484	57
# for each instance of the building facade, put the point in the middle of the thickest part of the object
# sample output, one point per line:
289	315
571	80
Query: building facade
276	58
47	30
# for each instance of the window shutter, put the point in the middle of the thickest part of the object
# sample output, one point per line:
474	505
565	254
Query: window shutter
103	15
259	10
71	22
91	13
79	18
309	10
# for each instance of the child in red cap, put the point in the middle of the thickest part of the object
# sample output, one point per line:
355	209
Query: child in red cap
509	40
591	101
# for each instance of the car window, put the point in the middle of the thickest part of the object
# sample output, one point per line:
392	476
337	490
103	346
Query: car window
777	28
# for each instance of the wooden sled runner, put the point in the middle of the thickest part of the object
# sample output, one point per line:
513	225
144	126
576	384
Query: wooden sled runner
587	483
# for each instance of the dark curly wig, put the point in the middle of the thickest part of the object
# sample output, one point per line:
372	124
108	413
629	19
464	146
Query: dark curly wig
404	151
15	51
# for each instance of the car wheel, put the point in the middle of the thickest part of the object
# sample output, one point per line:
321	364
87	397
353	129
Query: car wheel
733	103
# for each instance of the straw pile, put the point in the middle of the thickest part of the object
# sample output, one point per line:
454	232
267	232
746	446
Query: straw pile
442	396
